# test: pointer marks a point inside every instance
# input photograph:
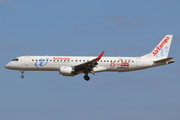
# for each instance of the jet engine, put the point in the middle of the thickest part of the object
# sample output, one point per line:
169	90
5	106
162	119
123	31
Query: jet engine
66	71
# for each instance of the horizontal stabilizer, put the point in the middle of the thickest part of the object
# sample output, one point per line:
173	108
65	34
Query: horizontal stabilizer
169	60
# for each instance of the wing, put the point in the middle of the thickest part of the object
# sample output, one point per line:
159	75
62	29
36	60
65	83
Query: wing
87	67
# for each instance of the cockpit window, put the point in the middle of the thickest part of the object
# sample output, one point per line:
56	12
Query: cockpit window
15	60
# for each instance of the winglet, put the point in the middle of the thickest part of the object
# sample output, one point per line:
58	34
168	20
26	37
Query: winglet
99	57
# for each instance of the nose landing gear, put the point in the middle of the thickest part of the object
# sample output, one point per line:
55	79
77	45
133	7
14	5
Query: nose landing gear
22	76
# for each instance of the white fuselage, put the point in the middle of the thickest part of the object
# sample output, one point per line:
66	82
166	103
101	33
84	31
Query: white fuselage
53	63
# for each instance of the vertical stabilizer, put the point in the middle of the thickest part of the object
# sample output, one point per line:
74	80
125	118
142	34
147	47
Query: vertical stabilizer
161	51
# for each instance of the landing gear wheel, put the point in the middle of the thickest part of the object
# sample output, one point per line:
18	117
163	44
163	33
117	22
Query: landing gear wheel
22	71
22	76
86	77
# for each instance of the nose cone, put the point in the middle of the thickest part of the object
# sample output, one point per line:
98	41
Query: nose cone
7	66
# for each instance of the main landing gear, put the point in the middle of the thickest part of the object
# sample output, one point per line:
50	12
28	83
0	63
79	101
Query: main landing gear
22	76
86	77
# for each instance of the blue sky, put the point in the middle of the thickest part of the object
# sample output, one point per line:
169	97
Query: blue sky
118	27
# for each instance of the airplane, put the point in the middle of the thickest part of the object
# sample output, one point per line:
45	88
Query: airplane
73	65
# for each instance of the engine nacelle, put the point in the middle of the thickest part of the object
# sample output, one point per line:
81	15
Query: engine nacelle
66	71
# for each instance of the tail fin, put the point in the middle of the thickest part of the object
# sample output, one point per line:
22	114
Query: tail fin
161	51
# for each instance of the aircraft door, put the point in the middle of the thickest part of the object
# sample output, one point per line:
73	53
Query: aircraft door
138	61
26	60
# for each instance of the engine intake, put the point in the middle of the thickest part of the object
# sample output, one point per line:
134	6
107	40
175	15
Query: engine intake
66	71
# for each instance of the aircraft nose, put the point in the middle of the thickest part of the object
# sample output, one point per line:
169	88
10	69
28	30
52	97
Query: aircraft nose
7	66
